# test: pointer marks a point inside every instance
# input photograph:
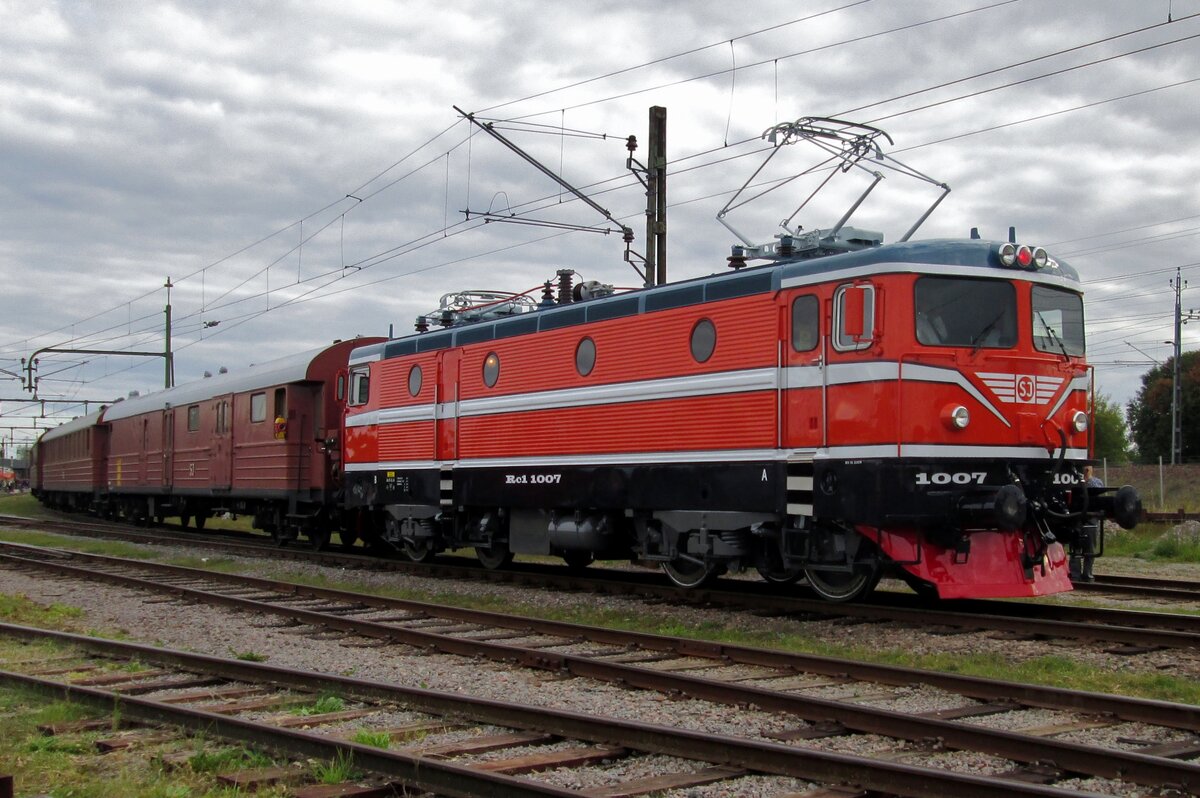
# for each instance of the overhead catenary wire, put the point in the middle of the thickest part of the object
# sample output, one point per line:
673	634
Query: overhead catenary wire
378	175
1035	118
443	231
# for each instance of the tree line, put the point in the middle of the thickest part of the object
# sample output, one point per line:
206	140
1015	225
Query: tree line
1149	412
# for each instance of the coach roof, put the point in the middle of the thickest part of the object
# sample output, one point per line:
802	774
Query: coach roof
74	425
293	368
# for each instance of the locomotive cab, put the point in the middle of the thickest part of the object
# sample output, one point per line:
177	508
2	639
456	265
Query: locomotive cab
957	406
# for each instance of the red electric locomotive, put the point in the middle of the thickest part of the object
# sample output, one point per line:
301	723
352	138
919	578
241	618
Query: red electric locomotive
919	408
848	410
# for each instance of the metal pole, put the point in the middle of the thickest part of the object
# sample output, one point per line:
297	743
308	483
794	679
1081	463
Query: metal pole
657	161
1162	496
169	377
1176	421
651	208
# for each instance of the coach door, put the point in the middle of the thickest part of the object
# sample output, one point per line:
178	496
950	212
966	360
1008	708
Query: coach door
222	442
446	405
168	448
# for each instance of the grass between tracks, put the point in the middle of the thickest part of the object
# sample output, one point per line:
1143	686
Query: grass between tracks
68	765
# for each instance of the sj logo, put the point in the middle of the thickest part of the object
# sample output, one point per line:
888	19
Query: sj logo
1028	389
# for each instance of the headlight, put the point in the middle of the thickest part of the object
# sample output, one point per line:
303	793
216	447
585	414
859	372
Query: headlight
956	417
1079	421
1007	254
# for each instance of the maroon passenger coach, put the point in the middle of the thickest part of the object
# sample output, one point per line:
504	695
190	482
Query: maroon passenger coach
259	442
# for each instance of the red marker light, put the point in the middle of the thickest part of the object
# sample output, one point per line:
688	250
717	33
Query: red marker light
1024	256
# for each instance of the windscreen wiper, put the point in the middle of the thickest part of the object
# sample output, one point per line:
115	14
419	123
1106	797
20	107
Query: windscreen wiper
977	341
1053	336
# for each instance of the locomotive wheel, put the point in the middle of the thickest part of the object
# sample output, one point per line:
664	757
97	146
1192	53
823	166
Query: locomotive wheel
688	574
841	586
318	539
495	556
422	551
781	576
348	538
578	560
201	517
416	539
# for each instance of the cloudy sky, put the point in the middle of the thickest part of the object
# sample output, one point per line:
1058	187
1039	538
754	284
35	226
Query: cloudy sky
299	172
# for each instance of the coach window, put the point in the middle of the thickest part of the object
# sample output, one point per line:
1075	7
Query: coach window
414	381
193	418
491	369
806	323
853	317
585	357
704	340
360	387
258	407
222	417
280	403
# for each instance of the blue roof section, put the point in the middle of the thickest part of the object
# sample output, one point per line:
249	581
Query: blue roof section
965	253
969	253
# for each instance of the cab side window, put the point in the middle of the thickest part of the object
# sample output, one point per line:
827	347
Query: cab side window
806	323
360	387
853	317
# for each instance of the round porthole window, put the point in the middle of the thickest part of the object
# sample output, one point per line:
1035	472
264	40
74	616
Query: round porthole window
491	369
585	357
414	380
704	340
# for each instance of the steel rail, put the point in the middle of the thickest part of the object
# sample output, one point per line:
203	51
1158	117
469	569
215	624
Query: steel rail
1175	589
761	756
1127	627
1107	616
1161	713
1072	757
425	773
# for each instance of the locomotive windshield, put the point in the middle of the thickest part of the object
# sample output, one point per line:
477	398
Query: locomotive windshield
1057	320
952	311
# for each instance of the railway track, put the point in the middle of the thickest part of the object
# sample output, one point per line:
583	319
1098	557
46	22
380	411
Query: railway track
459	745
768	680
488	762
1148	587
1128	631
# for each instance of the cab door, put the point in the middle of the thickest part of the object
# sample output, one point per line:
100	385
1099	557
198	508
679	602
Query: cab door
803	395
